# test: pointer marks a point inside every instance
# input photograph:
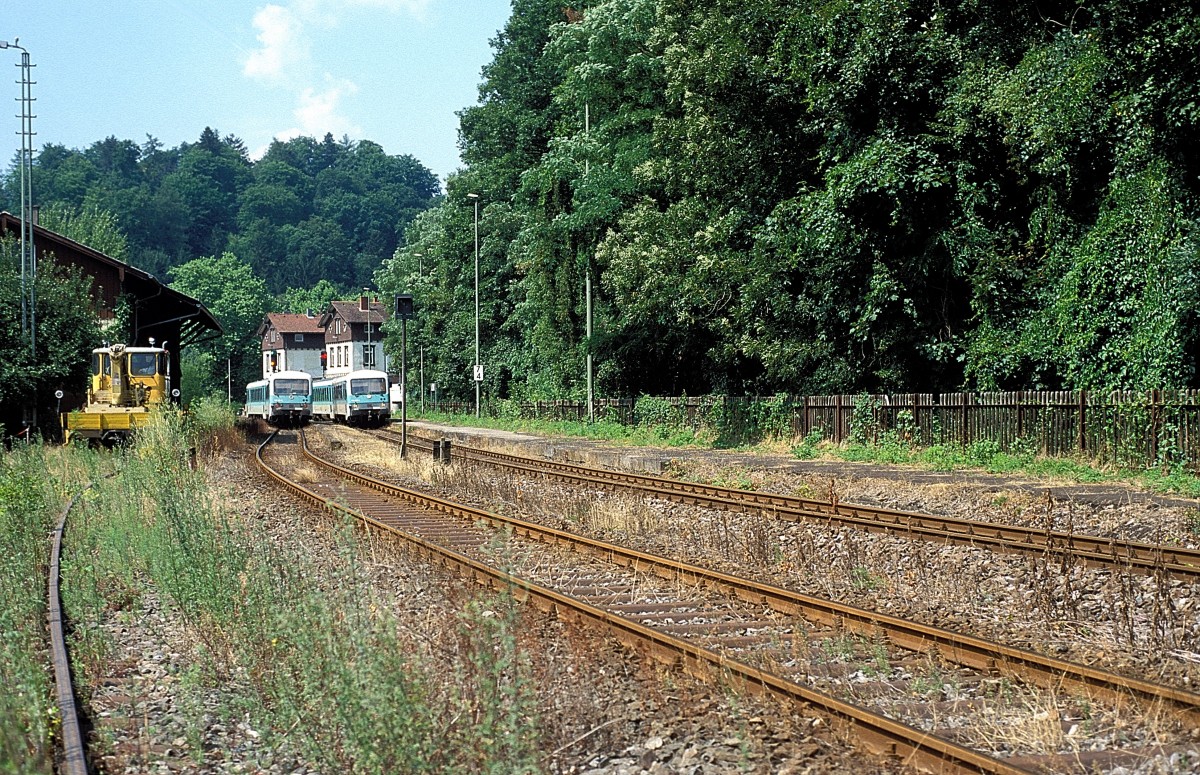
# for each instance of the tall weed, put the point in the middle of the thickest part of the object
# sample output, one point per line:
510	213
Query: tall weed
27	513
294	645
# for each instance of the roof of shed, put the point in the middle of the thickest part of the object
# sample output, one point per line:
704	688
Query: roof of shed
157	304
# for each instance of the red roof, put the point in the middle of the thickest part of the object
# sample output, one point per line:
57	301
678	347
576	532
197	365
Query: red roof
295	323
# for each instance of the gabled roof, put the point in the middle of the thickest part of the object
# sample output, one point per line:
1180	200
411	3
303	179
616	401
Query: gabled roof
291	323
351	313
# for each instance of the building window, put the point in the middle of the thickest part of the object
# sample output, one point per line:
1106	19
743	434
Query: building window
368	356
299	337
273	336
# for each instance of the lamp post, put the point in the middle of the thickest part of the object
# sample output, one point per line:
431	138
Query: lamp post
367	296
478	373
587	281
405	312
421	348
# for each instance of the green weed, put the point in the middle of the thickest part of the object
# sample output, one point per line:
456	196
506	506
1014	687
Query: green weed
293	646
865	580
28	507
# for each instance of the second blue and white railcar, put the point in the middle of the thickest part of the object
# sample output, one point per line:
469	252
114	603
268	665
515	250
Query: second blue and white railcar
357	398
283	398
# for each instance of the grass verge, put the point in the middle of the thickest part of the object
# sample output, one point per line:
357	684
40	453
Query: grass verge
601	430
302	646
28	510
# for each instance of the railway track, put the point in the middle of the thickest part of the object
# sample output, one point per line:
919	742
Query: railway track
856	666
1111	553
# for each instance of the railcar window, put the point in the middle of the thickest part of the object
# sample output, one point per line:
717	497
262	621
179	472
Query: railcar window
367	386
291	387
142	364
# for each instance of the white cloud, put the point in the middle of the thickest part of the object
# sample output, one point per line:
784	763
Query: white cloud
318	112
283	43
285	58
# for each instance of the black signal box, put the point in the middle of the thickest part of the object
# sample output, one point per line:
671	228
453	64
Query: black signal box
404	307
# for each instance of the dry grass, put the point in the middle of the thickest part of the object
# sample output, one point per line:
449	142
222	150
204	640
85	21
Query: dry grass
305	473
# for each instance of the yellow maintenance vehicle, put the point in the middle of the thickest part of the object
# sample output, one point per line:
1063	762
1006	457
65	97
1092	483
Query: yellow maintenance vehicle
126	384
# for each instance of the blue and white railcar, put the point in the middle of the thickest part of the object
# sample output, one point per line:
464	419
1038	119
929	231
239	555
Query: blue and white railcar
357	398
283	398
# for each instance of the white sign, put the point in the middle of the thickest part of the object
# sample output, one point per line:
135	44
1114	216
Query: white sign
432	387
479	372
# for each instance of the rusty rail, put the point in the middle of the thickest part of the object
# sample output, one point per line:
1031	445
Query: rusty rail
1095	551
74	753
879	734
965	650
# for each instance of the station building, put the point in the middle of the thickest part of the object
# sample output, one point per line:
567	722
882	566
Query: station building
291	342
348	334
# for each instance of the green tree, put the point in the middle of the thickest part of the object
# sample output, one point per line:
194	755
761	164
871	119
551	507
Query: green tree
90	226
67	330
239	300
315	299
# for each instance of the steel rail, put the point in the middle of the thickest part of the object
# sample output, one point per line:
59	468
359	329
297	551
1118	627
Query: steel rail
963	649
1093	551
74	752
878	733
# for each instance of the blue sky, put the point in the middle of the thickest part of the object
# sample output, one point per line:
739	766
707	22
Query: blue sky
391	71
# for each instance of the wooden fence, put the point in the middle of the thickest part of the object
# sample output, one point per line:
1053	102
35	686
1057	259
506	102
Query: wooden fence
1145	428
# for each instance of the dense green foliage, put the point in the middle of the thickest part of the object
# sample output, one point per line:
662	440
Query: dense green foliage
820	197
66	329
307	210
239	299
887	195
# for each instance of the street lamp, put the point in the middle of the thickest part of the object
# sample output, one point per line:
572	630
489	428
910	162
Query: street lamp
478	374
421	349
405	312
367	296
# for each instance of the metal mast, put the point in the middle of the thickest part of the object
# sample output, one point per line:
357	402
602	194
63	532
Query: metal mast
28	253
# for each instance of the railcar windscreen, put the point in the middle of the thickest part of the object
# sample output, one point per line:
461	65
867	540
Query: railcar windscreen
291	387
367	386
